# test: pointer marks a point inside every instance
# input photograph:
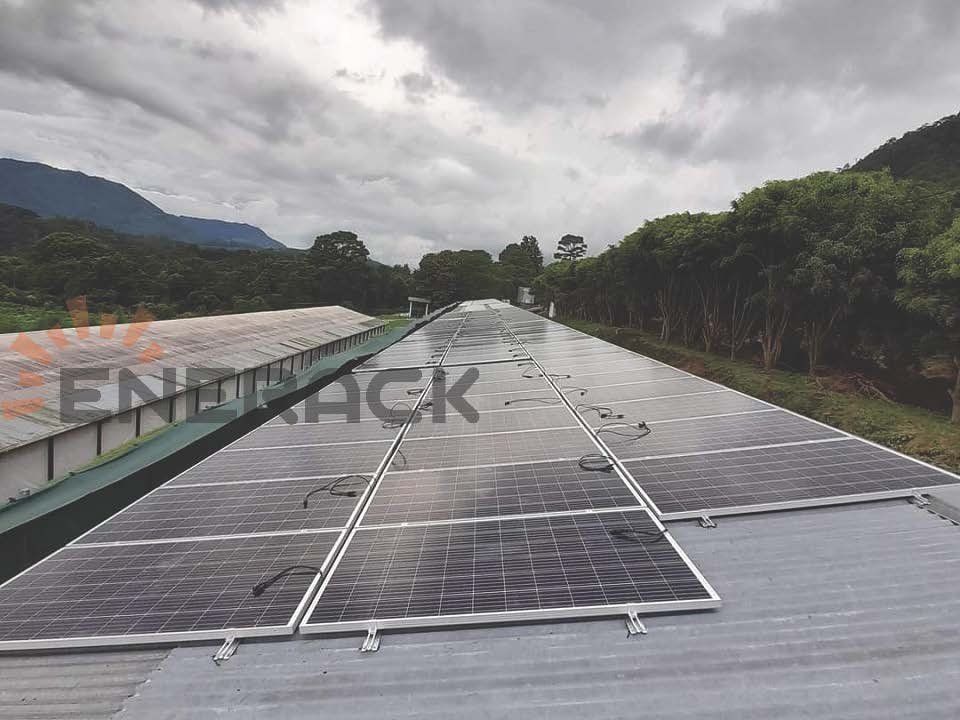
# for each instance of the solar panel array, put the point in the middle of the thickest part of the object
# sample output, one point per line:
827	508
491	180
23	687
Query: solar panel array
711	450
182	562
490	467
493	514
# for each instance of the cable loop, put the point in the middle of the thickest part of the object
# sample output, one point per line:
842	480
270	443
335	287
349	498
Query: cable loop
640	430
333	486
595	462
544	400
602	410
637	535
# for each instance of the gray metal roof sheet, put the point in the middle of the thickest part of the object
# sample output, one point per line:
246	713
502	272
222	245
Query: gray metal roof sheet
212	347
840	612
87	686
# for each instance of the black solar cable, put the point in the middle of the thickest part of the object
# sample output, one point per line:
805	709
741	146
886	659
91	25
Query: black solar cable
595	462
602	410
639	430
636	535
333	488
544	400
529	365
259	588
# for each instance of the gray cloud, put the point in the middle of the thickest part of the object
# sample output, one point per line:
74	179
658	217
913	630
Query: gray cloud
244	6
425	124
669	136
532	52
418	86
883	45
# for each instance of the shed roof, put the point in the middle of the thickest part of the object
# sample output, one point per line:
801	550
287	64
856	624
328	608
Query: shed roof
212	347
841	612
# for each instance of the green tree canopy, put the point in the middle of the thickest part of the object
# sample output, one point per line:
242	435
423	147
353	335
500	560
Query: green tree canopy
931	288
570	247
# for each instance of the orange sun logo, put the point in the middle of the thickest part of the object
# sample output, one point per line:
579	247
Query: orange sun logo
29	348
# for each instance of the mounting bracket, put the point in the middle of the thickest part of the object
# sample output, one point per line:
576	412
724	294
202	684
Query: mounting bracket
918	499
372	642
226	650
634	626
706	522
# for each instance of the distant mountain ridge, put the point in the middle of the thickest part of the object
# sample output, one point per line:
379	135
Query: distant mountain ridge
52	192
931	153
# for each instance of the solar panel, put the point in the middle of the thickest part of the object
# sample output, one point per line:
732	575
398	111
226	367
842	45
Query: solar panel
685	405
516	384
329	432
518	400
659	388
686	437
506	570
287	463
160	592
467	493
504	420
495	449
622	378
184	511
768	478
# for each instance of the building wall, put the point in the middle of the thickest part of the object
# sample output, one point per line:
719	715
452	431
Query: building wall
23	467
28	467
73	449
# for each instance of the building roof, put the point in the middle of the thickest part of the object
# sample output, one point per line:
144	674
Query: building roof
842	612
218	346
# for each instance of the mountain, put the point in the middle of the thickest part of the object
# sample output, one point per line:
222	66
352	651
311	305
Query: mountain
931	153
51	192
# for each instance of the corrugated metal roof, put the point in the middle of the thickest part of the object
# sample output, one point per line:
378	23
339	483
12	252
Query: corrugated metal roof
92	685
841	612
219	346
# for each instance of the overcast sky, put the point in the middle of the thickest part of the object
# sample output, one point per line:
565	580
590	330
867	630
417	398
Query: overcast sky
431	124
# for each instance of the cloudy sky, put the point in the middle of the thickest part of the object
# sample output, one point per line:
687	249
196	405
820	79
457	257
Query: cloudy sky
432	124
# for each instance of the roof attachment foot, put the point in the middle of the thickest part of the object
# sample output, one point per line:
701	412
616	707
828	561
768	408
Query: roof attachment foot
226	650
706	522
634	626
372	641
918	499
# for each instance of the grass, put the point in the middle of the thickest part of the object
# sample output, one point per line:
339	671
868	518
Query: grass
24	318
393	321
121	450
914	431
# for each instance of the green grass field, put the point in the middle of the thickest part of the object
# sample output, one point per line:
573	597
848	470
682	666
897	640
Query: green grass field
911	430
394	321
24	318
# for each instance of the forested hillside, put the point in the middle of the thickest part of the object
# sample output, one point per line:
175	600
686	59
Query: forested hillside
45	262
930	153
857	270
853	271
52	192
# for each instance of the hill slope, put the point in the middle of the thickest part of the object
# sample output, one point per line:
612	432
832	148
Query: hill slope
51	192
931	153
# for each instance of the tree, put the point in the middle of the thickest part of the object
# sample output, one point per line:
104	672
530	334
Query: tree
340	250
931	288
570	247
452	275
340	262
530	246
517	268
